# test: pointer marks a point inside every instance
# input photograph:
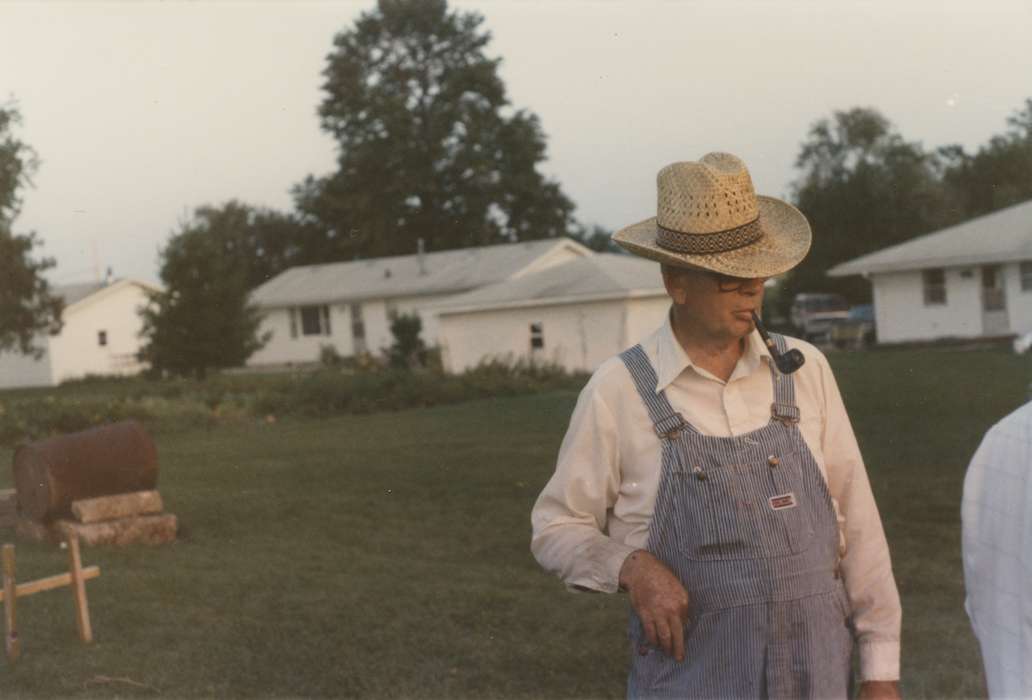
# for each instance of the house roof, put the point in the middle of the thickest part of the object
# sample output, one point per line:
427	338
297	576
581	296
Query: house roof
1001	236
74	294
443	272
594	278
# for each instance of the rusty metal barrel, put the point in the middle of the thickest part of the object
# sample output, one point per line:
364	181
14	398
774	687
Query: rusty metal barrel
111	459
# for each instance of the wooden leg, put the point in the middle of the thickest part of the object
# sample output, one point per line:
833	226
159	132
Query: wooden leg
82	608
12	645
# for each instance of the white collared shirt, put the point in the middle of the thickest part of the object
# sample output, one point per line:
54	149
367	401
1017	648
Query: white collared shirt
996	517
597	506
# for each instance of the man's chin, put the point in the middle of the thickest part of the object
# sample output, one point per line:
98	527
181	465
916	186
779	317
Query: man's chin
743	325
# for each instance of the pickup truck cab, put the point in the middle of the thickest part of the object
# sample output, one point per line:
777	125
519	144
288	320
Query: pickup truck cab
813	314
858	331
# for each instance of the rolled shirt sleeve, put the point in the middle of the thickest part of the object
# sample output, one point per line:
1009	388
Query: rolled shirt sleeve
569	518
866	565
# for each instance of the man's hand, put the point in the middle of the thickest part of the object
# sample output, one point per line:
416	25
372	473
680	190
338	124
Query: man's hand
659	599
879	690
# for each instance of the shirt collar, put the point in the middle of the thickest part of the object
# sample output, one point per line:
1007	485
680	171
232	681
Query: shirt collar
672	360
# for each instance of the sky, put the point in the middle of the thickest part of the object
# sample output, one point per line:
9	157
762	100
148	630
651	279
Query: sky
142	111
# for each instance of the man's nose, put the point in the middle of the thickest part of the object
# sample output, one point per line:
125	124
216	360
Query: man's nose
753	286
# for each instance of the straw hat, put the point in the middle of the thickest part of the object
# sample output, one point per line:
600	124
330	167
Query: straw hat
710	217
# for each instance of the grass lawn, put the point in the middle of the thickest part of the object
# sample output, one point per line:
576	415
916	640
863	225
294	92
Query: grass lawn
386	555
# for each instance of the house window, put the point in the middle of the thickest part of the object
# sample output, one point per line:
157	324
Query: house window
392	310
1026	276
357	328
934	282
102	338
537	336
293	322
315	320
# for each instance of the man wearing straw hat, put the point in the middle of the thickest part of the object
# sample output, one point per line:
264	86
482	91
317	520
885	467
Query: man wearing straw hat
729	500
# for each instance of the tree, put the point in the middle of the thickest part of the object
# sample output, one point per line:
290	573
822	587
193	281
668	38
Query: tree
267	241
598	238
429	146
204	320
863	188
27	305
999	174
408	349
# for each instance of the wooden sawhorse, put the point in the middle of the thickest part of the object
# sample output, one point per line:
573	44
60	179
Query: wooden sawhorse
76	578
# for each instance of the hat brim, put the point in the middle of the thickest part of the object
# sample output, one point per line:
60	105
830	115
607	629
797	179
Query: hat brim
785	242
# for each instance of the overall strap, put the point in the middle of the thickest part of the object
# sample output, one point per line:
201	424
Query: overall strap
784	407
667	422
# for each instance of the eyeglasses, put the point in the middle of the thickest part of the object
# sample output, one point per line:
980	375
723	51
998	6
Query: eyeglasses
728	283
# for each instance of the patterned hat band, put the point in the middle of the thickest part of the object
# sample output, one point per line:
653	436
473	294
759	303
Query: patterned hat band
705	243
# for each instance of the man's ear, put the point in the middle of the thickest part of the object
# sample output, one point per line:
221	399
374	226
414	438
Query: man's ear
675	279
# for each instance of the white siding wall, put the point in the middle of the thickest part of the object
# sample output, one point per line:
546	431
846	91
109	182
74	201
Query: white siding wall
283	349
275	323
77	352
901	314
577	336
377	325
17	370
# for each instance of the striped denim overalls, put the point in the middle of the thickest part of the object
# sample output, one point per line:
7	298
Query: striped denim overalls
748	526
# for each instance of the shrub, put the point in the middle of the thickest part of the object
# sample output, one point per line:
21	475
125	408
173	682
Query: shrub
329	357
408	350
364	362
328	392
366	386
504	376
36	418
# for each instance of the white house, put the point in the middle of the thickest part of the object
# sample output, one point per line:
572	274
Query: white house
575	314
100	336
349	305
967	281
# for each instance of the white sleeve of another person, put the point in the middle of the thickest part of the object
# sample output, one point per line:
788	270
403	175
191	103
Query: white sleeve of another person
996	517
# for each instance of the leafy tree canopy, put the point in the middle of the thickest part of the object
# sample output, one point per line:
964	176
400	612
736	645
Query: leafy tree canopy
598	238
999	174
863	187
204	320
429	145
267	241
27	305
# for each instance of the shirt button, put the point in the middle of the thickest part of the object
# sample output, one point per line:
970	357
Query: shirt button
773	461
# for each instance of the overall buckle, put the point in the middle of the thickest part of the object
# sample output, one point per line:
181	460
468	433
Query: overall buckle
669	426
785	412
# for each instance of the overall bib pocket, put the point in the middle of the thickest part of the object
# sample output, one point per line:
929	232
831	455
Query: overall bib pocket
752	510
710	526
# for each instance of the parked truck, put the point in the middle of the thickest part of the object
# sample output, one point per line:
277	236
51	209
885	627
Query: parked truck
813	314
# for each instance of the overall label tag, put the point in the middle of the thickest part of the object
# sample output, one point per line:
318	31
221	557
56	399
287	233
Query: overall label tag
783	501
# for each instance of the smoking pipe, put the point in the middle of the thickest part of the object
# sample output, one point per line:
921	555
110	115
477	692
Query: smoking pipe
787	362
